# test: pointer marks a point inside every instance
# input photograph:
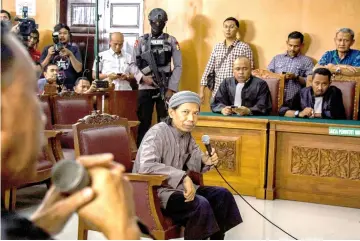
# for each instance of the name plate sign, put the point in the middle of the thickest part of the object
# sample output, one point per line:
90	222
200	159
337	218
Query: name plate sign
335	131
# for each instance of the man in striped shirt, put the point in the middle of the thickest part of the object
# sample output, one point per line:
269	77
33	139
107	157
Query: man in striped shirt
295	65
238	48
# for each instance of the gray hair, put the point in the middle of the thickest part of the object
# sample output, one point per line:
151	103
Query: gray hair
346	30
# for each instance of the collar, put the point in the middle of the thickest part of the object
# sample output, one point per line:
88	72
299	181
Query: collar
286	54
346	55
112	52
161	36
233	44
246	83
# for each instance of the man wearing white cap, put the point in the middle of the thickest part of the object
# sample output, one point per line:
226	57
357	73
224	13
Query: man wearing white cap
169	149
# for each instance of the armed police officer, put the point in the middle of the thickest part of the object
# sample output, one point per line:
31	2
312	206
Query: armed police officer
151	66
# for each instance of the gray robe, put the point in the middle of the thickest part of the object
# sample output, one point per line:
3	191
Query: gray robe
164	150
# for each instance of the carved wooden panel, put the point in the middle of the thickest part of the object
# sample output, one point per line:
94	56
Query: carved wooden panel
325	162
305	161
334	163
354	169
226	151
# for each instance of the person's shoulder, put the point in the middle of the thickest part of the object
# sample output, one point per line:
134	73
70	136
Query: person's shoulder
47	47
355	52
41	81
307	58
278	56
305	90
242	44
228	80
334	90
257	80
158	129
144	37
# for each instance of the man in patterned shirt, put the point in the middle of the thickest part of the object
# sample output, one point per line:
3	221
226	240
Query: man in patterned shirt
238	48
295	65
343	60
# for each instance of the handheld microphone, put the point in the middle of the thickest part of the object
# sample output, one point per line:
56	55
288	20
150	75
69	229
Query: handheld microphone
206	140
69	176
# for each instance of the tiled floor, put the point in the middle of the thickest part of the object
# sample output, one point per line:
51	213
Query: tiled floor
302	220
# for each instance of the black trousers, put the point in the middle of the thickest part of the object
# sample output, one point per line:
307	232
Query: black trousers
212	212
145	108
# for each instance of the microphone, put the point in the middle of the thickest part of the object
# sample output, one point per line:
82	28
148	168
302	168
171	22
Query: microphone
206	140
69	176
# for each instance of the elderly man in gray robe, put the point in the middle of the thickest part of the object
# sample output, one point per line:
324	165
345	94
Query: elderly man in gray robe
169	149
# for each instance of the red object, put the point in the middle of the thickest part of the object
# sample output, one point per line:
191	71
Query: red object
35	54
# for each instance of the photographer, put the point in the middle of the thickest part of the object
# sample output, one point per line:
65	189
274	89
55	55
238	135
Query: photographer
66	56
32	45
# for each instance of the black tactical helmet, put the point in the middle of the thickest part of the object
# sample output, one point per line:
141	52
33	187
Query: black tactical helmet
158	14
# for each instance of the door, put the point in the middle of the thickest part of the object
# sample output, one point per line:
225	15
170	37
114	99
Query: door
125	16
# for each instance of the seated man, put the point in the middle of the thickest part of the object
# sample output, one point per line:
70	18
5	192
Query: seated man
295	65
169	149
83	86
108	207
50	75
249	94
319	100
343	60
113	65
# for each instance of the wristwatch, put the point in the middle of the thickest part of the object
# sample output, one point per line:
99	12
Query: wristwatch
297	114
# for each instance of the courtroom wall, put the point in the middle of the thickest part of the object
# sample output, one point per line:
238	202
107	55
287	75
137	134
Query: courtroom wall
45	17
265	24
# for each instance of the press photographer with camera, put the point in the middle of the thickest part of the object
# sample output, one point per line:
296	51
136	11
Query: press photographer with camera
66	56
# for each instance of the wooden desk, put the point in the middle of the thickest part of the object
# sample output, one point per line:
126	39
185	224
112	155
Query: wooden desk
307	164
241	144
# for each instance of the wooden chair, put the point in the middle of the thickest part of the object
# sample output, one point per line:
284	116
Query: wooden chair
67	109
46	160
276	84
108	133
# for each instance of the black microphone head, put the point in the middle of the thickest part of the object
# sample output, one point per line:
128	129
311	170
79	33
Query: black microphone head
205	139
69	176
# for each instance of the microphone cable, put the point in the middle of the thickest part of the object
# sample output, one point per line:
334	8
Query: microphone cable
253	207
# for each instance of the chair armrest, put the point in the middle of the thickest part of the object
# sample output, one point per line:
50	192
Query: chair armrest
196	177
53	137
133	123
154	180
52	133
65	127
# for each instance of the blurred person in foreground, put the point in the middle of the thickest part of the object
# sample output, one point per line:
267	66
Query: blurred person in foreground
104	204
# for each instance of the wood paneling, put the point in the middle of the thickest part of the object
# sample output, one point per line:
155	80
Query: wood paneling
307	164
241	146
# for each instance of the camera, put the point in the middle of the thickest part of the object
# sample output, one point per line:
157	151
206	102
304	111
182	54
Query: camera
58	46
102	84
26	25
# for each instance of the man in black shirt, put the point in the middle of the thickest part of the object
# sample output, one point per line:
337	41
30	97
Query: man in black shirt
67	58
